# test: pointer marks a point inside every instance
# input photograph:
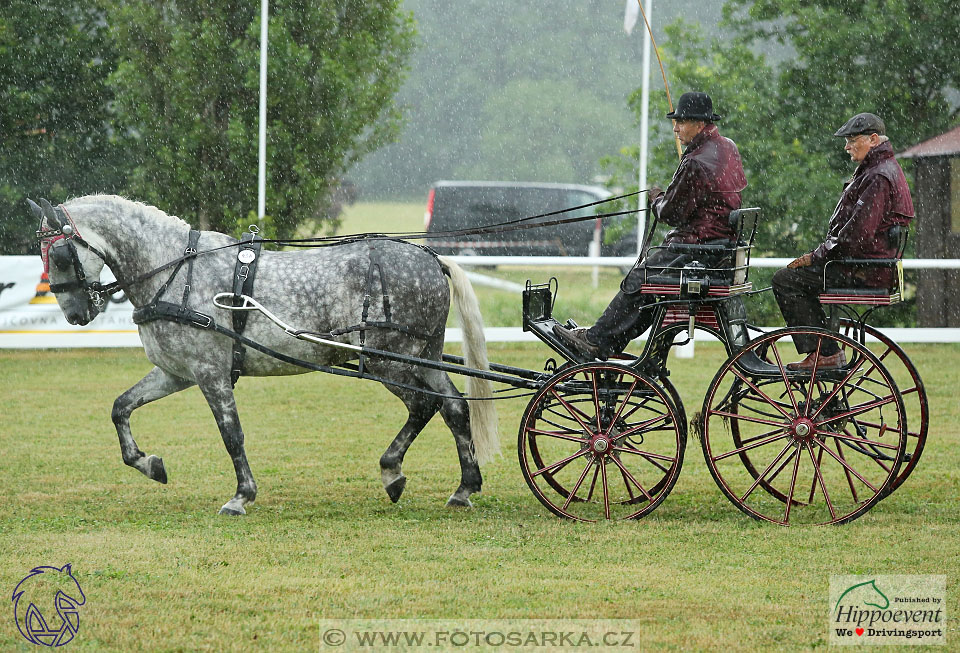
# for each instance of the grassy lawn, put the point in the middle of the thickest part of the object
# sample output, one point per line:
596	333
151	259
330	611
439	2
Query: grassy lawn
162	572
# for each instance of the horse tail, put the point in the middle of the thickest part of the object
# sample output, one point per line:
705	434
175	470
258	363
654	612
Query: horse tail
483	413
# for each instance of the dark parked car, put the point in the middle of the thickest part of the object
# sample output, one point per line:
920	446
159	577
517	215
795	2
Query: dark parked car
456	205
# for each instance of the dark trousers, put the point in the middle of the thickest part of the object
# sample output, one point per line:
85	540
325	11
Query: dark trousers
624	319
796	291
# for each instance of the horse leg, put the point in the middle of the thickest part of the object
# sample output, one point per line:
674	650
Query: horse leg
421	409
155	385
456	415
219	396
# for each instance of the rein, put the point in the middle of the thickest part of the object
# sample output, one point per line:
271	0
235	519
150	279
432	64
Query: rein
97	291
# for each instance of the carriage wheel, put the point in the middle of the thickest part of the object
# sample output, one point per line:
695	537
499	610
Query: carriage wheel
914	395
601	441
816	447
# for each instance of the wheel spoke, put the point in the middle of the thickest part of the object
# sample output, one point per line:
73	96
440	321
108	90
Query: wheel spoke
754	445
628	476
823	447
793	485
606	488
560	463
819	478
853	438
853	490
756	481
566	504
560	436
761	393
783	374
573	412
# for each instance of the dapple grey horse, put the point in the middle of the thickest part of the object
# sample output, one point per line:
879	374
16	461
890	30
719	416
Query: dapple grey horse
318	289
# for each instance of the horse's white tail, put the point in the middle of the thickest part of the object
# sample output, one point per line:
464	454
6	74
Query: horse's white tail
483	414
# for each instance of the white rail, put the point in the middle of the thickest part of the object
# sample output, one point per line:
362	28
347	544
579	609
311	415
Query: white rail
625	261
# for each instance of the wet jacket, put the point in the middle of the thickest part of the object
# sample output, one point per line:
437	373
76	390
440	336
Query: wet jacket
875	199
705	189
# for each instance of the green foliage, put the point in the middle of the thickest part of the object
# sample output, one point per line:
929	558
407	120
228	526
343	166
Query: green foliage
54	132
187	91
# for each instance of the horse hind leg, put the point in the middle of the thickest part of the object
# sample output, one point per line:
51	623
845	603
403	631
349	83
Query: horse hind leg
421	409
456	414
157	384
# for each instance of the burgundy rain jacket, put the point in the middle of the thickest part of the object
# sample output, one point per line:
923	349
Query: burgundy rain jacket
875	199
704	190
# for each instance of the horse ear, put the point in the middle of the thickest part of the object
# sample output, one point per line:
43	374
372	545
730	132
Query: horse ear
68	568
37	211
49	213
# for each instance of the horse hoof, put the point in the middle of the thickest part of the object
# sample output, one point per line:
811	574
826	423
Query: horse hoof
157	471
459	502
232	511
395	489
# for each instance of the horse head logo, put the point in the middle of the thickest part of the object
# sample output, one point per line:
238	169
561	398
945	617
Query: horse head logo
42	586
866	593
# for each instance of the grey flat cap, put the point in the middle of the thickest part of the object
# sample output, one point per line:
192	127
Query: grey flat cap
862	123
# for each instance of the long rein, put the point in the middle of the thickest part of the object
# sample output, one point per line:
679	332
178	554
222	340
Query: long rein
114	287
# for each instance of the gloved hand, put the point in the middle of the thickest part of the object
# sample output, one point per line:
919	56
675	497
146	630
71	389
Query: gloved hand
653	194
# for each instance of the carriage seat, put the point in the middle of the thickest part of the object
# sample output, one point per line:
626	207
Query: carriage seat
866	296
716	268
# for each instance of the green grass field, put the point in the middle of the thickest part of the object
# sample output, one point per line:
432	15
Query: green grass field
163	572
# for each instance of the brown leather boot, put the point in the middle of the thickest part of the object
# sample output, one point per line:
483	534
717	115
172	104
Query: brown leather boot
825	362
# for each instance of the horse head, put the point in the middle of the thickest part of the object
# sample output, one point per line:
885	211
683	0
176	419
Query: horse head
42	585
75	273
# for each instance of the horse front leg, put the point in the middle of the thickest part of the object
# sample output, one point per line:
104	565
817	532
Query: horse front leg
157	384
219	396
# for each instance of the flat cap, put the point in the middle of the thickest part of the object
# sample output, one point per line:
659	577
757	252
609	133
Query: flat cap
862	123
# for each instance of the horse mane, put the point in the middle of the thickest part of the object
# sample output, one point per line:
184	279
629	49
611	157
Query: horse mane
119	200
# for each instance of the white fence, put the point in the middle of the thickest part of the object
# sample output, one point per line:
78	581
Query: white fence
30	317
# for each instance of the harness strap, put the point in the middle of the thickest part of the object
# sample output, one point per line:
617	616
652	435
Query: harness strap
245	272
163	310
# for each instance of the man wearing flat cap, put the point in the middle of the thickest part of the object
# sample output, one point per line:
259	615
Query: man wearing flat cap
873	201
697	204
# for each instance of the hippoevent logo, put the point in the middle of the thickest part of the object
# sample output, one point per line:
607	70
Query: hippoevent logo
46	606
896	609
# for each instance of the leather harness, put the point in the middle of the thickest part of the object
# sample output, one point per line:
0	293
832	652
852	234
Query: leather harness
248	255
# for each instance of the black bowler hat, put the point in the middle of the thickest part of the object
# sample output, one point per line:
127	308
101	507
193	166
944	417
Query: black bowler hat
862	123
694	106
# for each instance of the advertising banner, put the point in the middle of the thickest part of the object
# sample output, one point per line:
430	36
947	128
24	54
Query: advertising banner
31	318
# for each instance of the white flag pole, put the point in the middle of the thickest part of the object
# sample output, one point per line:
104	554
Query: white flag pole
644	132
262	171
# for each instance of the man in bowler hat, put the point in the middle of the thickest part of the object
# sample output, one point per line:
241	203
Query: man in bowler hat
705	189
875	199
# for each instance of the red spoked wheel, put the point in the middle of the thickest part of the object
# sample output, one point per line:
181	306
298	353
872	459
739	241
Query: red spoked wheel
908	380
803	447
601	441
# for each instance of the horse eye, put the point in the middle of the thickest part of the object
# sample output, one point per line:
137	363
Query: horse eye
61	258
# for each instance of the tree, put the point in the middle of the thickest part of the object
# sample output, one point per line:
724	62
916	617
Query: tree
187	94
895	58
55	136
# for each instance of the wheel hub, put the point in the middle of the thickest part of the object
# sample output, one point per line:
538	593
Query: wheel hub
600	445
802	429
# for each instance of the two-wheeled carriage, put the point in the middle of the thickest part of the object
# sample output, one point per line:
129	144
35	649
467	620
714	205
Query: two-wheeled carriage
604	440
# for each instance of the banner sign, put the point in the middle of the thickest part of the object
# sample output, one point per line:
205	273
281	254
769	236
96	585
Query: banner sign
31	318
